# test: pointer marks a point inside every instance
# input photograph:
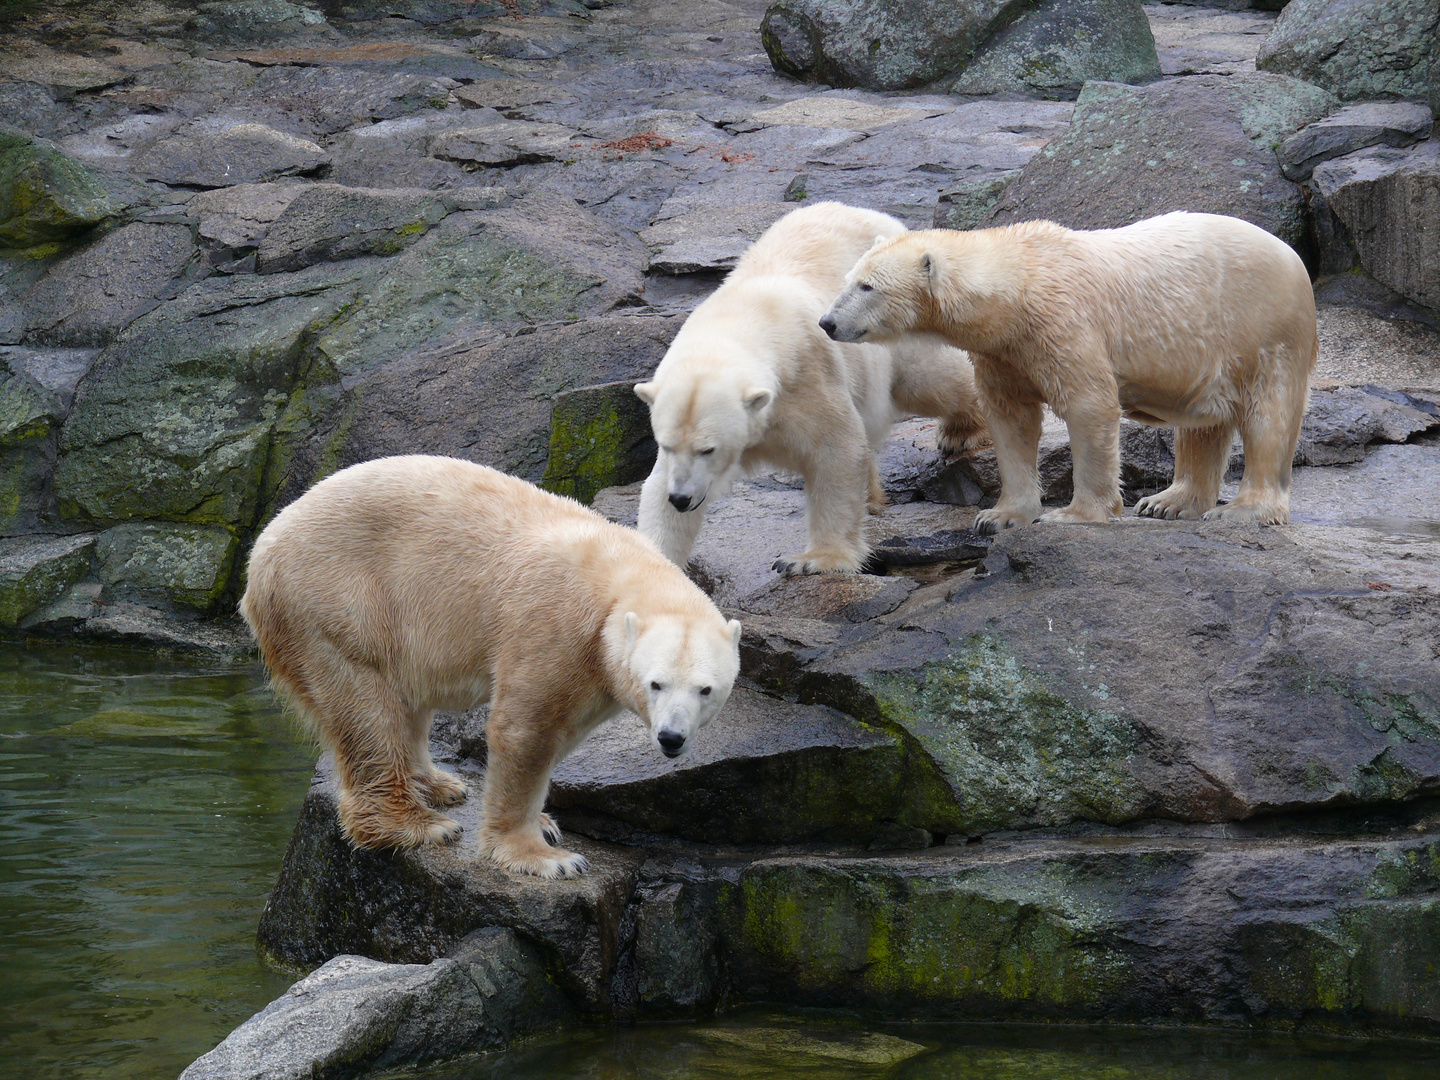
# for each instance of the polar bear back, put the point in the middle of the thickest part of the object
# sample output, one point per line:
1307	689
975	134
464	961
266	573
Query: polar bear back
817	244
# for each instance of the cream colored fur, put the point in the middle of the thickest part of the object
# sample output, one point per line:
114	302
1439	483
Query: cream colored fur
410	584
1196	321
751	380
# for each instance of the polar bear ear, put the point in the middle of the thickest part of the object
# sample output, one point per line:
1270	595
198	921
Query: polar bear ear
756	398
927	267
645	391
633	623
735	633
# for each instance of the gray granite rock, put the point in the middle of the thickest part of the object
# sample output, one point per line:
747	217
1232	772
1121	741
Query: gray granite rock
1356	48
179	564
1388	200
328	222
46	198
1201	143
212	154
253	20
91	295
599	437
1355	127
967	204
353	1013
709	239
34	570
1052	49
506	142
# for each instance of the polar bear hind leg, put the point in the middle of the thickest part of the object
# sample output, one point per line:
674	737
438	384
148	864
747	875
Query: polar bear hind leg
1269	428
1201	454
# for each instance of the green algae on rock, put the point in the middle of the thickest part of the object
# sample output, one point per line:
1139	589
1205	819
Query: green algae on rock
34	570
182	564
599	437
46	198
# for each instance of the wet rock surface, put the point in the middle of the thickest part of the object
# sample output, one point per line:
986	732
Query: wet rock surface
1148	771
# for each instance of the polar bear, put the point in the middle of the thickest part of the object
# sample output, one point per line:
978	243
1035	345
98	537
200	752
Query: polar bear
751	380
1197	321
410	584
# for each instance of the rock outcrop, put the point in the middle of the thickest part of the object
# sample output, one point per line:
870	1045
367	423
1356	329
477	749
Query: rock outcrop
1356	48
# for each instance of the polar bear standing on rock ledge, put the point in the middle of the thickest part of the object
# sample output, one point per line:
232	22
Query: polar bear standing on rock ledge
410	584
750	379
1196	321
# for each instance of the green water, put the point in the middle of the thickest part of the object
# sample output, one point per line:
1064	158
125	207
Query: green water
145	805
757	1046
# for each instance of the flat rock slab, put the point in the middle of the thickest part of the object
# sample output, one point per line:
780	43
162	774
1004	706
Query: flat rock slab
764	771
1374	123
211	155
1207	40
709	240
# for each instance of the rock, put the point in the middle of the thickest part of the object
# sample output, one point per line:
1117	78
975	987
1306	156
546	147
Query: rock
1389	201
93	294
540	259
1390	491
967	204
232	221
409	406
506	142
254	20
219	153
877	45
46	198
764	772
1355	48
175	420
1054	48
182	564
1207	39
1352	128
332	899
709	240
1387	345
29	414
1202	143
352	1012
327	222
599	437
34	570
138	626
1341	424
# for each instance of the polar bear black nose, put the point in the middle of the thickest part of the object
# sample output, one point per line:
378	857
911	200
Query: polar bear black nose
828	325
680	502
670	742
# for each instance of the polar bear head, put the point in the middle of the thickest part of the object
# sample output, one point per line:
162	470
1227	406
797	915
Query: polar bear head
684	667
704	413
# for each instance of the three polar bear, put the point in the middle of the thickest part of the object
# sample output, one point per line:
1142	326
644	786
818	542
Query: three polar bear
751	379
1196	321
410	584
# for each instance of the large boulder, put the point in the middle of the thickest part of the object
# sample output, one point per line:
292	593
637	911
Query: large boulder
29	414
175	419
327	222
1045	47
1054	48
34	570
46	198
599	437
218	153
1355	127
1356	48
1203	143
1389	202
178	564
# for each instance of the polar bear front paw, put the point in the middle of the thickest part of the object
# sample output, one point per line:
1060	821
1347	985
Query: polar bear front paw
1174	503
443	789
988	522
549	830
816	562
523	854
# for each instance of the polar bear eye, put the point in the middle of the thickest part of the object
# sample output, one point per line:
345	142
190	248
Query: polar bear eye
704	691
865	286
655	686
706	452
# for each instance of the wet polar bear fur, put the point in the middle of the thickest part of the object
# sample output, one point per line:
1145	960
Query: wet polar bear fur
1196	321
751	380
410	584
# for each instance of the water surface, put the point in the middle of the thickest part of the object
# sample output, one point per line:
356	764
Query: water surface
145	805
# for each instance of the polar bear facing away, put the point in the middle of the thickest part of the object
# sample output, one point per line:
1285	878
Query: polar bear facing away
410	584
1196	321
751	380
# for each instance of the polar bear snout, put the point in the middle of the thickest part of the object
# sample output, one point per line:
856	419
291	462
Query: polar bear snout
672	742
682	502
828	324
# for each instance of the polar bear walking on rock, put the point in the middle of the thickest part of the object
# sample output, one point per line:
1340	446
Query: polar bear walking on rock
1196	321
751	380
410	584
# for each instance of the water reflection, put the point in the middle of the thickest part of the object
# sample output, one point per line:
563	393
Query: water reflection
145	804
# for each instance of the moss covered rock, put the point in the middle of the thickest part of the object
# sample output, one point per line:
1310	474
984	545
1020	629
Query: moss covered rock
181	564
46	198
599	437
34	570
1356	48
